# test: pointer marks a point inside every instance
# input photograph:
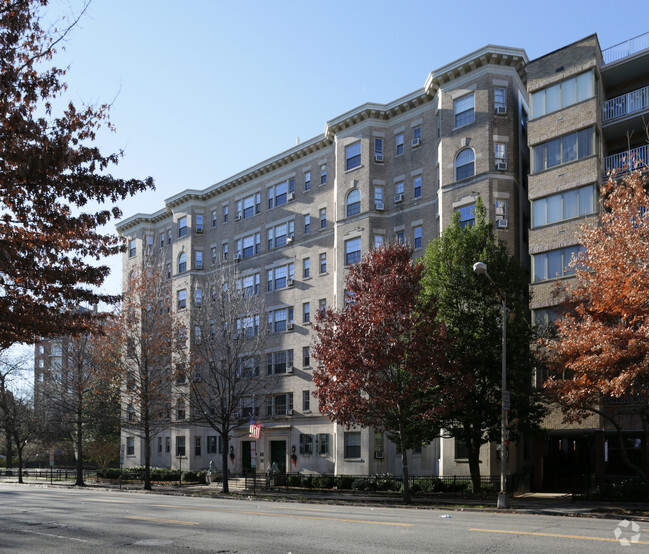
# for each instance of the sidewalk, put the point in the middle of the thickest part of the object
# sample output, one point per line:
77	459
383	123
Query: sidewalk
529	503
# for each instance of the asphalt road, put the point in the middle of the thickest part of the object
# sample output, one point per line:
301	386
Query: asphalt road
41	519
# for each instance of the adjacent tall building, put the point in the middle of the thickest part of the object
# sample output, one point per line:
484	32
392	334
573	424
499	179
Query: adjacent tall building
294	223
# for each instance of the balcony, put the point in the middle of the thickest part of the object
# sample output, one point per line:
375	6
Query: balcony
629	103
628	160
626	48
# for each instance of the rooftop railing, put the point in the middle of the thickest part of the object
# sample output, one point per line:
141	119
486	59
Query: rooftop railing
626	48
628	160
631	102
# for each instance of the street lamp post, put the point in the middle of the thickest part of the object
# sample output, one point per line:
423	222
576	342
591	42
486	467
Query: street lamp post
481	269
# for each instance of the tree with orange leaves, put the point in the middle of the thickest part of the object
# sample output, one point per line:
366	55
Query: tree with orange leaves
600	357
382	360
49	172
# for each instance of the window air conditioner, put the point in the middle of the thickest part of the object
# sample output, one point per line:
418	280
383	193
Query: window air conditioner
289	240
501	166
289	326
237	258
238	217
501	110
289	412
378	455
290	282
199	231
291	196
379	205
289	369
398	198
416	142
501	223
378	157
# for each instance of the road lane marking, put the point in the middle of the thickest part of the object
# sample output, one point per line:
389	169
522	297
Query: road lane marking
104	500
176	521
322	518
53	536
551	535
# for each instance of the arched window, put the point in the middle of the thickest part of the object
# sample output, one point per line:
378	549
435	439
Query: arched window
353	203
182	263
464	164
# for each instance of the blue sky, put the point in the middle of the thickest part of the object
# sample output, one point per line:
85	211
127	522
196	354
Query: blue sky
201	90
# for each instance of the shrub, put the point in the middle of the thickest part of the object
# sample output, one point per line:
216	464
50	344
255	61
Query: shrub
325	482
294	480
344	482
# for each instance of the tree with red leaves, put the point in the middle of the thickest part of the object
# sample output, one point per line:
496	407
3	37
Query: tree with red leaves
600	356
382	360
49	173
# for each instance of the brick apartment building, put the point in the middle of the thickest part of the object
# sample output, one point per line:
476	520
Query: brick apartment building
389	172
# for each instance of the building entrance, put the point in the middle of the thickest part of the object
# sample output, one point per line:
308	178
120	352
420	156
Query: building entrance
278	454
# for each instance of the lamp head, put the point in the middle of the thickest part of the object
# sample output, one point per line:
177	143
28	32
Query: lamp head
480	268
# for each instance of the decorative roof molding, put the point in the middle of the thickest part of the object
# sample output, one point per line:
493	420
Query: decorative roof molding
142	219
487	55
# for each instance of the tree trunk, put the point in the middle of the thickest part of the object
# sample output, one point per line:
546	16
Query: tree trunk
406	476
79	480
147	458
224	460
473	449
10	451
19	449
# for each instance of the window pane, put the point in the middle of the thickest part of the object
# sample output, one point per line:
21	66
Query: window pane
586	200
569	147
538	103
540	157
584	86
569	92
554	152
570	204
553	98
555	264
585	142
554	208
540	261
540	215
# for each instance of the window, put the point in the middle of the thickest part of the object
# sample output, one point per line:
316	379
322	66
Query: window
169	236
130	411
323	218
168	271
278	195
378	445
464	110
352	444
323	444
416	136
307	224
461	449
248	325
500	100
417	186
322	305
280	405
250	285
182	299
378	149
278	235
564	205
353	203
323	175
306	441
464	164
279	276
561	150
213	255
248	246
130	446
417	232
198	260
399	144
199	223
353	156
182	262
438	125
249	206
180	446
180	409
197	446
182	227
167	445
306	356
162	239
198	297
149	244
544	317
131	248
306	312
249	407
500	152
563	94
467	215
307	180
554	264
399	189
323	262
306	402
159	445
213	218
400	237
379	240
226	212
214	444
306	267
352	251
279	319
224	248
279	362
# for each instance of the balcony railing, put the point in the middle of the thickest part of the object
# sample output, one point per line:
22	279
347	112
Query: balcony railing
631	102
627	161
626	48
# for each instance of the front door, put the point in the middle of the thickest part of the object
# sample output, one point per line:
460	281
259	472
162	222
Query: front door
278	454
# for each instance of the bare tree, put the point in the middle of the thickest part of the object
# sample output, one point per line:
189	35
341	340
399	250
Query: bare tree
10	367
228	337
145	333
